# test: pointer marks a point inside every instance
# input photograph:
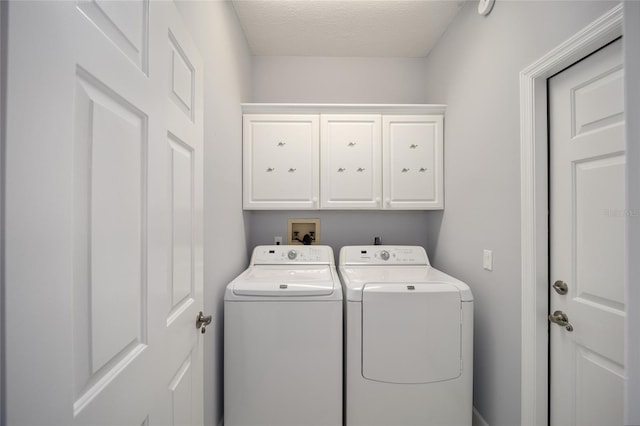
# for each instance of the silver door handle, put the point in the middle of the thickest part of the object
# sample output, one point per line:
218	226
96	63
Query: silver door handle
202	321
560	287
560	318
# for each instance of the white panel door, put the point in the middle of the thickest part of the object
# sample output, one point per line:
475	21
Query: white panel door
103	215
177	265
587	243
350	153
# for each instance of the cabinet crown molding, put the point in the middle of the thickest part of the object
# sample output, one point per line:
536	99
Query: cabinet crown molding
286	108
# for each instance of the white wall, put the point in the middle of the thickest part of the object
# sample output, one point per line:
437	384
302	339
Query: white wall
632	91
227	83
341	80
338	80
474	69
3	109
341	228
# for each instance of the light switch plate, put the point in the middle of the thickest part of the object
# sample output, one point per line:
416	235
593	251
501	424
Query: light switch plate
487	260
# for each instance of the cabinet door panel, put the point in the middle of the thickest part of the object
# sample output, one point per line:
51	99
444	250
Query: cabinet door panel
280	161
351	168
412	147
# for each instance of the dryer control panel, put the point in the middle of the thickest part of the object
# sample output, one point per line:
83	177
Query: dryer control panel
383	255
292	255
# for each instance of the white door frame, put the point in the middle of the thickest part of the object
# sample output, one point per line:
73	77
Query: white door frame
534	206
3	108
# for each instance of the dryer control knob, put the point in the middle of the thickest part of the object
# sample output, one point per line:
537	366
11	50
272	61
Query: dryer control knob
292	254
384	255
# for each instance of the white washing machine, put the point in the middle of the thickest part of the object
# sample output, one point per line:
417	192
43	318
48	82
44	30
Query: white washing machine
408	339
283	340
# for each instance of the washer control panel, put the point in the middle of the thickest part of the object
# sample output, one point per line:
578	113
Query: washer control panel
383	255
290	254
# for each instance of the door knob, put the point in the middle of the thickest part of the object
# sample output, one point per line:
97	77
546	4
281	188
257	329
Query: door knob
560	287
560	318
202	321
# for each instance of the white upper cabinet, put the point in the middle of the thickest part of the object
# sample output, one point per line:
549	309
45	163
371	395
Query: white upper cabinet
315	156
412	147
350	155
281	161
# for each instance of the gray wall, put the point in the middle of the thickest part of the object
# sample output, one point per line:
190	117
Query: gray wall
342	228
3	109
341	80
227	83
632	90
338	80
474	69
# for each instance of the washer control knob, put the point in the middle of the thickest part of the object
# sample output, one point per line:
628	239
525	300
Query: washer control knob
292	254
384	255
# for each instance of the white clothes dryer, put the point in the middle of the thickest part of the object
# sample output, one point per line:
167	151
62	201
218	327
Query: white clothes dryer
283	340
408	339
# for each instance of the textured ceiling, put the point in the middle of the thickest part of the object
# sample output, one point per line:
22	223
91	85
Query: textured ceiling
365	28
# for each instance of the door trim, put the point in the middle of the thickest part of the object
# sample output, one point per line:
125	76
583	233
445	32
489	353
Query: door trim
4	25
534	206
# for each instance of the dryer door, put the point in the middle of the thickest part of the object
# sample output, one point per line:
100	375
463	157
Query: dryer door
411	333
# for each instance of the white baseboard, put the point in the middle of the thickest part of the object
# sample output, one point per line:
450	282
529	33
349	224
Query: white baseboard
477	419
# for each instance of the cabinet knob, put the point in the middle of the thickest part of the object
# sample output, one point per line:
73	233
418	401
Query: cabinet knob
282	143
405	170
341	169
423	169
413	146
270	169
351	144
291	170
361	169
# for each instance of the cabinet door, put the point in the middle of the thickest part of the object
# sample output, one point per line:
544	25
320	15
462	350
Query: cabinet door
281	164
351	164
413	154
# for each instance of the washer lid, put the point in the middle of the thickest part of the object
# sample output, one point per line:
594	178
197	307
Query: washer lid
276	281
